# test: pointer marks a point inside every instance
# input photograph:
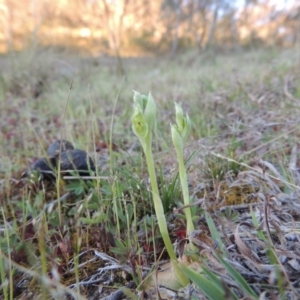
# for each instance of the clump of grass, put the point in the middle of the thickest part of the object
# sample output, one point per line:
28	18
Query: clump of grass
169	190
217	167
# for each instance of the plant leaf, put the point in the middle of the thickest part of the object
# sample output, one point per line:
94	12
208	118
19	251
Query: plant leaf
238	278
210	288
214	232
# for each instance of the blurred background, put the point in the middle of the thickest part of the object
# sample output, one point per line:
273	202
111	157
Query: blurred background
132	28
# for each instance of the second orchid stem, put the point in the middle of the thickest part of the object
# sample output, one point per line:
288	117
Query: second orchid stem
185	193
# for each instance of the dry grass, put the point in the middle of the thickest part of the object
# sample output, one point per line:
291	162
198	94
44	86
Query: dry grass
242	162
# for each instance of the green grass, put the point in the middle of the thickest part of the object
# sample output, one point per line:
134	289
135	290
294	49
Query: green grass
240	114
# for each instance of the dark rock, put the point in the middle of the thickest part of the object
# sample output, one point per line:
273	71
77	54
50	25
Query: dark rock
59	146
45	167
66	159
76	160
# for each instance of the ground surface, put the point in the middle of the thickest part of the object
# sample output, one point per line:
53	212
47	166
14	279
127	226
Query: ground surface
242	162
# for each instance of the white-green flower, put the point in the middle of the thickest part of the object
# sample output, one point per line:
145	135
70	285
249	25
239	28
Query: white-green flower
181	130
144	115
139	124
177	139
184	124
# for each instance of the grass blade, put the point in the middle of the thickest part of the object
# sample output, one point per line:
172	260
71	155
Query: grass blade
214	232
238	278
210	288
214	278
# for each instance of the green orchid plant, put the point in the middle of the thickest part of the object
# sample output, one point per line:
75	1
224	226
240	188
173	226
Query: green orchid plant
180	131
143	123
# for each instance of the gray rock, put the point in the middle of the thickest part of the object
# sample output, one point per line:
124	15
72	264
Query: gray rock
59	146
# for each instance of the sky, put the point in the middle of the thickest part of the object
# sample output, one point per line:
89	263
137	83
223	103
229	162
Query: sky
280	4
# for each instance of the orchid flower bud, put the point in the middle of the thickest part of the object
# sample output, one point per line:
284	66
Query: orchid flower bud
177	139
144	116
179	116
139	124
150	111
183	125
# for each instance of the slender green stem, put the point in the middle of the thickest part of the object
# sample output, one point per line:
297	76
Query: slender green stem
185	192
159	210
